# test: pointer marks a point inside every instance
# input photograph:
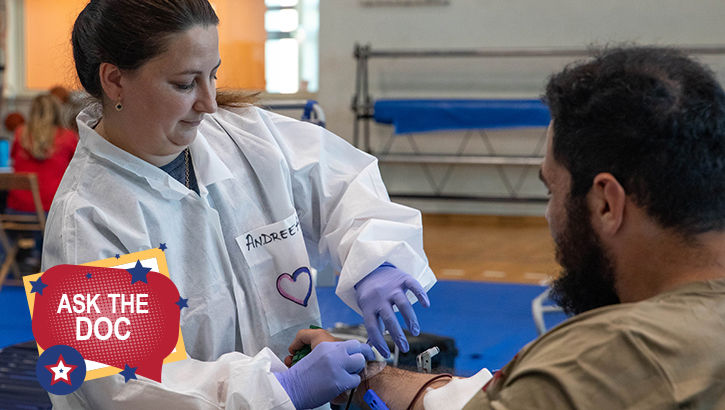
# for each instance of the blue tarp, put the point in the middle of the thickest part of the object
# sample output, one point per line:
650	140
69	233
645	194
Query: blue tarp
412	116
490	322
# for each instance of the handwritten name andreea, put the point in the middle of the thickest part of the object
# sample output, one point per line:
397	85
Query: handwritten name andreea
257	240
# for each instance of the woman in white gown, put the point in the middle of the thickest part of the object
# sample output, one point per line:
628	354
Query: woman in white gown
246	202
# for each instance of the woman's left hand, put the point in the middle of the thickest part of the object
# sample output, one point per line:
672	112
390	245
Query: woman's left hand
376	295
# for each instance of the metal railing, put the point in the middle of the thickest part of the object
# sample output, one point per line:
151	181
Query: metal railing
362	104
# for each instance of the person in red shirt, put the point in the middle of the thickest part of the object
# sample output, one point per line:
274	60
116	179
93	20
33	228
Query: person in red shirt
41	146
44	147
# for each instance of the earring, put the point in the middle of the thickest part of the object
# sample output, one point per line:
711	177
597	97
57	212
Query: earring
119	107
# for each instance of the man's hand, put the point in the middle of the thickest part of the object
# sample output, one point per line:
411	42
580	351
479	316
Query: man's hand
376	295
329	370
310	337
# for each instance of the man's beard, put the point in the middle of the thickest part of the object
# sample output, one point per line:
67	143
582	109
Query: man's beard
587	281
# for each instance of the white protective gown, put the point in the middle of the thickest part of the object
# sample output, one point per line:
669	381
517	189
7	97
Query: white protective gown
277	196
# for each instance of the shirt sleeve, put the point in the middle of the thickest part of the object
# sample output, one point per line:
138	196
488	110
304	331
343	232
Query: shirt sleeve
585	364
534	393
345	210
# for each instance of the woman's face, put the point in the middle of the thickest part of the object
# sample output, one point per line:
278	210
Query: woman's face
165	100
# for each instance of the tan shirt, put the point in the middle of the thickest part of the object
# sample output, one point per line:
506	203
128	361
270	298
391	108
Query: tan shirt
667	352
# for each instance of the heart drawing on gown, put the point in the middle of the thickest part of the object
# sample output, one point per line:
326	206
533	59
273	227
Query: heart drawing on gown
296	287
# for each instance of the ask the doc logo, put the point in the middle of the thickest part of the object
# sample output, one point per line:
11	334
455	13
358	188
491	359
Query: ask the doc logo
117	316
60	370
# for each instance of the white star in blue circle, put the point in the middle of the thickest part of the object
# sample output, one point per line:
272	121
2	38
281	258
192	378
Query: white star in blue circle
162	246
182	303
88	275
38	286
129	373
138	273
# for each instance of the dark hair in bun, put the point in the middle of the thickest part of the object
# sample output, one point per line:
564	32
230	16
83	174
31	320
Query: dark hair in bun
129	33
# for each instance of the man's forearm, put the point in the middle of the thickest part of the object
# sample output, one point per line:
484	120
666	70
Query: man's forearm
397	388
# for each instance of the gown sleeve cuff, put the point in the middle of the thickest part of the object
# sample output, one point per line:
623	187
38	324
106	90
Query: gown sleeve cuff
257	386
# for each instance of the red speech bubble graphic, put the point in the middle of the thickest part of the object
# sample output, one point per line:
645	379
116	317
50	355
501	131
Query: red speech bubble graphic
117	317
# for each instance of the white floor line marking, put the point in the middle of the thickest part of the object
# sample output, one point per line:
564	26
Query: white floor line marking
453	272
541	278
494	274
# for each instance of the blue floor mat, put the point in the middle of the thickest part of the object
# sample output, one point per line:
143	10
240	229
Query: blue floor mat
490	322
15	325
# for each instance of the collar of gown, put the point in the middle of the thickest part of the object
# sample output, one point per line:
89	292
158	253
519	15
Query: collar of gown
207	165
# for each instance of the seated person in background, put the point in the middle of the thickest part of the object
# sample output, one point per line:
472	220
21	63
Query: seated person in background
636	169
44	147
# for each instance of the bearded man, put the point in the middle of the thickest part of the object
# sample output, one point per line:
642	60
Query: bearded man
635	166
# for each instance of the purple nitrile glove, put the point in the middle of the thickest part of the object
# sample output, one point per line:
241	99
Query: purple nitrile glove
377	293
330	369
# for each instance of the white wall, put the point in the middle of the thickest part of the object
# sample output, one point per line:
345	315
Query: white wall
487	24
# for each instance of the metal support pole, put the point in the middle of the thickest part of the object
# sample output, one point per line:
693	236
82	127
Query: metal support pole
366	99
355	99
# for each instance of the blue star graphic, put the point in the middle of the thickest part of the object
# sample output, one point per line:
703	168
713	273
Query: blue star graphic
38	286
118	255
129	373
60	371
182	303
88	275
162	246
138	273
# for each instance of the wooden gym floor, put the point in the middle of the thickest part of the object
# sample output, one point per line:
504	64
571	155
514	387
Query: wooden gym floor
489	248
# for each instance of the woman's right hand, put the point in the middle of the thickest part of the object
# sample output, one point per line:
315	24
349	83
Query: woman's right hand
329	370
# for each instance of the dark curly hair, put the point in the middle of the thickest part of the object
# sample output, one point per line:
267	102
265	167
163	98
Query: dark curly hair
655	119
